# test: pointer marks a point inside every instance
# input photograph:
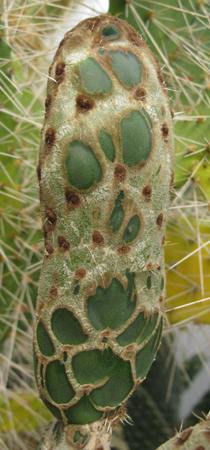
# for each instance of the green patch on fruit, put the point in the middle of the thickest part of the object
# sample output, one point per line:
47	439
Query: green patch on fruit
57	383
149	282
44	341
132	229
65	356
57	432
67	328
145	356
132	333
127	67
82	412
118	213
136	139
76	287
93	366
139	330
110	32
112	307
150	327
107	145
158	171
147	116
101	51
41	375
53	409
35	365
117	388
94	78
78	435
82	166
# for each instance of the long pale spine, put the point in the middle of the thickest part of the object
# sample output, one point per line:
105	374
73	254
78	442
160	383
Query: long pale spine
105	170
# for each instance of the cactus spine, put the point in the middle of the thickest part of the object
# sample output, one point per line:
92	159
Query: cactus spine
105	169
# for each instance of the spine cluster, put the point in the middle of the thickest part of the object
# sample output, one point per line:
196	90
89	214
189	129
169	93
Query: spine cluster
105	170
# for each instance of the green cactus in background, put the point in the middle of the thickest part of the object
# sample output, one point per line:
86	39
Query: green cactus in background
194	438
19	247
105	169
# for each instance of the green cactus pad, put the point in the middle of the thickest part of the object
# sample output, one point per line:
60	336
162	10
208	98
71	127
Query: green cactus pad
82	166
94	77
66	327
83	412
136	139
118	213
98	300
57	383
127	67
44	342
110	32
111	307
132	229
107	145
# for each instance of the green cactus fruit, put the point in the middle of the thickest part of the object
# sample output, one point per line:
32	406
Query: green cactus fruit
105	170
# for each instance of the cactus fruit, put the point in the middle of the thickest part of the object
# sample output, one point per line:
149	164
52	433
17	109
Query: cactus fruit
194	438
105	170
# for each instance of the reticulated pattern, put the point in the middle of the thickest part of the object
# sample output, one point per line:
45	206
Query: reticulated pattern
105	165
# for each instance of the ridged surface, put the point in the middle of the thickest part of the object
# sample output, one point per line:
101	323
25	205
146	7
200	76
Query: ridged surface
105	170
